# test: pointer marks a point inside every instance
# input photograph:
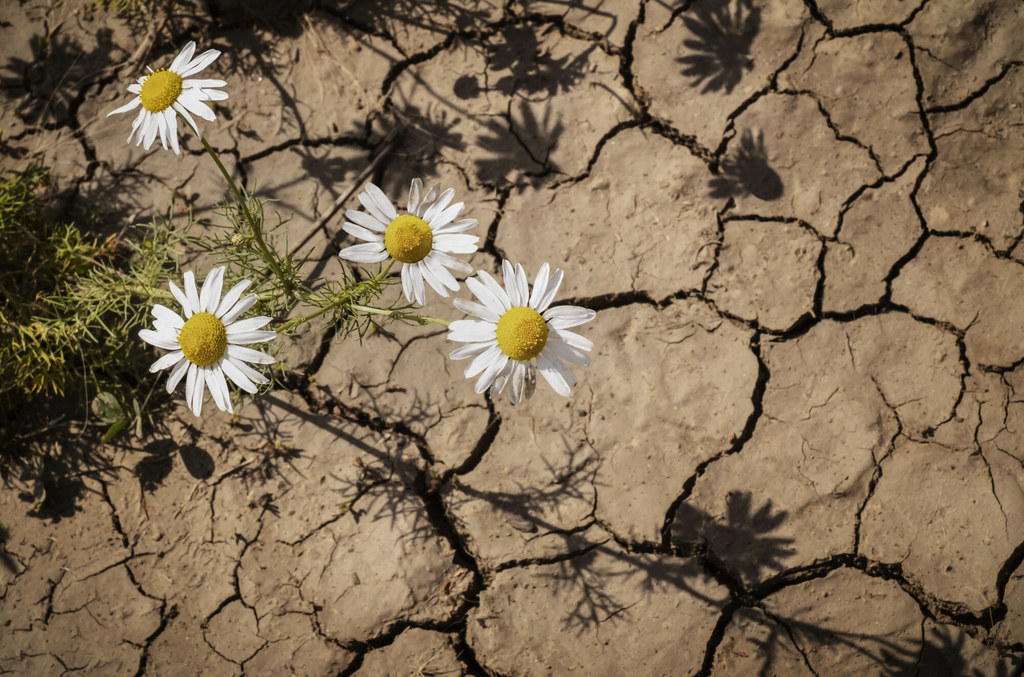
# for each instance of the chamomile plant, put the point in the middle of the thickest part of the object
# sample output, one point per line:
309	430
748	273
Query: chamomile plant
515	335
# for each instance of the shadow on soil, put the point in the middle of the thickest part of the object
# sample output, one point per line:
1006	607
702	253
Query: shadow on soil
526	68
941	651
722	34
522	74
519	142
49	86
436	19
747	172
158	462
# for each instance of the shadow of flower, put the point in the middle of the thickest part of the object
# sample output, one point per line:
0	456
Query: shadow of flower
722	36
746	172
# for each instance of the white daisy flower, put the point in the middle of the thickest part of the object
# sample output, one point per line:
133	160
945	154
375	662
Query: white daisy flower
517	334
209	344
421	240
165	93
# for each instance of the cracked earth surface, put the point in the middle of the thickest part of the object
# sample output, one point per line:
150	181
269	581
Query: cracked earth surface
799	449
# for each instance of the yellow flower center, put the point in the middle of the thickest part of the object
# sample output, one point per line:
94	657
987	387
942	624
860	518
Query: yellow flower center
522	333
203	339
160	89
408	239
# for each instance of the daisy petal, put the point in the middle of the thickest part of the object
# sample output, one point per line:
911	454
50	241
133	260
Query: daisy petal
564	351
437	207
502	378
457	227
202	84
430	277
362	233
159	340
416	277
244	304
415	190
452	263
249	355
484	360
442	274
508	275
382	203
366	221
540	285
485	380
412	283
218	388
456	243
174	378
496	290
171	121
518	381
232	296
562	317
427	200
237	376
488	298
469	350
184	56
522	284
247	325
209	297
448	215
198	391
168	316
190	384
191	292
554	282
168	360
244	338
194	105
247	371
477	309
371	252
559	377
181	298
161	127
150	126
199	63
135	126
471	331
188	118
573	339
131	105
211	94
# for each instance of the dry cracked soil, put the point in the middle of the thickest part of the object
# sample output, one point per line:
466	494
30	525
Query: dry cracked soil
799	449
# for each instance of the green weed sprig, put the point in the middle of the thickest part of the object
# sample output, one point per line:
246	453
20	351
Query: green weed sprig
71	304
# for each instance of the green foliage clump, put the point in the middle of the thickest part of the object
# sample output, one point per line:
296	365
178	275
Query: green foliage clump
71	305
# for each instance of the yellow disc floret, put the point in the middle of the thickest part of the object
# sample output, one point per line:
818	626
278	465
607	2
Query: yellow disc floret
160	89
203	339
522	333
408	239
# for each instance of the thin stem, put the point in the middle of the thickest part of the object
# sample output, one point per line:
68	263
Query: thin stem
302	319
421	319
255	226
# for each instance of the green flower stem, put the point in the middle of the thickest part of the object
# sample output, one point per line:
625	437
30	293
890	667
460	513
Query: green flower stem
342	300
254	225
421	319
302	319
